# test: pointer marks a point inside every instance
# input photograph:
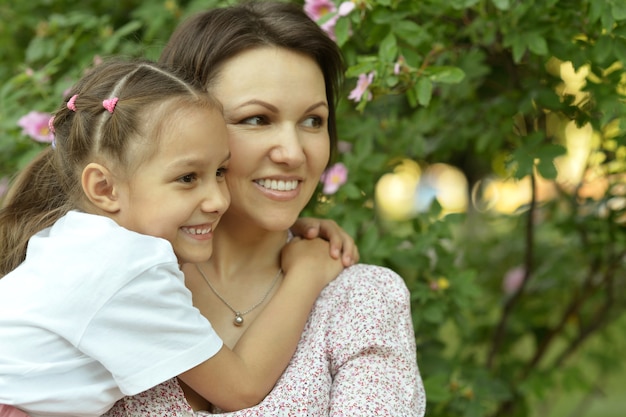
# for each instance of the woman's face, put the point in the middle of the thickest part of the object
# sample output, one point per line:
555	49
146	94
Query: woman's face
277	117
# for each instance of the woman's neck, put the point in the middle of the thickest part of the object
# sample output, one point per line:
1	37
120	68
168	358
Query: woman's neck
243	250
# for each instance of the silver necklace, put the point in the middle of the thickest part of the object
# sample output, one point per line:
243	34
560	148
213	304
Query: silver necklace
238	320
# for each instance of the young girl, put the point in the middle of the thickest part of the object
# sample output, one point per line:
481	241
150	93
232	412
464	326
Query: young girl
95	307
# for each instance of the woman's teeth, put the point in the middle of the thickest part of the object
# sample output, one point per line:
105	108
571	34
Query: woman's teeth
278	185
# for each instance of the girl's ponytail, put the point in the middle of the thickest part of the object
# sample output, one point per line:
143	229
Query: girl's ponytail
35	201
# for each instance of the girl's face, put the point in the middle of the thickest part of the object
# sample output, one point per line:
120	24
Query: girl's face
277	118
180	193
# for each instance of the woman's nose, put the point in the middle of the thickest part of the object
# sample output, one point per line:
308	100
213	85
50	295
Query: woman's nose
288	148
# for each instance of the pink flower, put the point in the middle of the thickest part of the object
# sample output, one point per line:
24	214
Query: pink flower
317	9
346	8
334	177
362	84
35	125
343	146
513	280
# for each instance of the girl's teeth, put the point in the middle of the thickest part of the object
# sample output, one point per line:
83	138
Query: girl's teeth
279	185
197	231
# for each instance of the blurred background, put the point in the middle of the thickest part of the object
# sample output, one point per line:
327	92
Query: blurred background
482	157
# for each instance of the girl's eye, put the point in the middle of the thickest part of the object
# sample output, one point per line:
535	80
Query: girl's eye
221	173
314	122
255	121
188	178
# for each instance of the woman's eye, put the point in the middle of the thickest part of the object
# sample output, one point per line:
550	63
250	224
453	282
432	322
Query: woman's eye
221	173
314	122
187	179
255	121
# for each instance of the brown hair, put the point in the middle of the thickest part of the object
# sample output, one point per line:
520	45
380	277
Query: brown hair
50	185
203	42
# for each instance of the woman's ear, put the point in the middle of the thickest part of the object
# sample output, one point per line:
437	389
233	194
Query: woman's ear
100	188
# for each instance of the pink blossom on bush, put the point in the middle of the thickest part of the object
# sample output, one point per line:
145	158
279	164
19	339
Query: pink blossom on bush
513	280
346	8
35	125
317	9
362	84
334	177
343	146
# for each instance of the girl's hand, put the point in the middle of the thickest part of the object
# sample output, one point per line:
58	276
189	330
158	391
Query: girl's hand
341	243
309	259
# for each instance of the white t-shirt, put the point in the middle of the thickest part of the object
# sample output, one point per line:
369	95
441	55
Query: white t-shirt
94	313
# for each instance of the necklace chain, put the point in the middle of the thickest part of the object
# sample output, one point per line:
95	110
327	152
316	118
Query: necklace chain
238	320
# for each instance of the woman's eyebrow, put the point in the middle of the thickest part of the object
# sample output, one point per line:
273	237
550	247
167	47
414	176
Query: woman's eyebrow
260	103
321	103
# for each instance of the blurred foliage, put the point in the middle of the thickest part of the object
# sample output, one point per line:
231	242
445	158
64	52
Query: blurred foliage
472	83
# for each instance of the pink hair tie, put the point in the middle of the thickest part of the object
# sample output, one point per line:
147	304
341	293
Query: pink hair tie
71	104
51	127
109	104
51	124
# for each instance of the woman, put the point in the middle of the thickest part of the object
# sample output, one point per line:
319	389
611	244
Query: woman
277	75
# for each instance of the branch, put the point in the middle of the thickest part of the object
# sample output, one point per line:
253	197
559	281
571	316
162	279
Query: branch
498	335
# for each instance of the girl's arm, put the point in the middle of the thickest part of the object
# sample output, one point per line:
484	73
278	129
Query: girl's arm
241	378
341	243
10	411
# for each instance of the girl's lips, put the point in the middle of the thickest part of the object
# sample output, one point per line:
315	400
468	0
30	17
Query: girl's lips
199	232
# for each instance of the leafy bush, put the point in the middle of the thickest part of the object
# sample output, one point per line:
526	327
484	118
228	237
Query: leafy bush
505	304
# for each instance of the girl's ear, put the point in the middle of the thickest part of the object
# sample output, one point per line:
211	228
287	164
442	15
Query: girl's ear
100	188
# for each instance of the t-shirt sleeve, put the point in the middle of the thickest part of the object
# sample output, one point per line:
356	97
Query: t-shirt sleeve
149	331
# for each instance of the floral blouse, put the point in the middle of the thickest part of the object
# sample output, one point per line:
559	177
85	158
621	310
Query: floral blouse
356	357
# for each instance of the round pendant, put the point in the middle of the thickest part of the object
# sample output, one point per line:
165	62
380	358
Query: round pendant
238	320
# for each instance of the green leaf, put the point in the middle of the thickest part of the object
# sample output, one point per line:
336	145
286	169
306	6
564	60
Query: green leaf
537	43
618	9
595	10
437	388
388	48
619	48
521	163
547	169
519	48
410	31
342	31
423	91
501	4
446	75
351	191
602	48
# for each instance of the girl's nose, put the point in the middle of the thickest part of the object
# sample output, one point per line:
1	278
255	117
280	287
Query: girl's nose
217	199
